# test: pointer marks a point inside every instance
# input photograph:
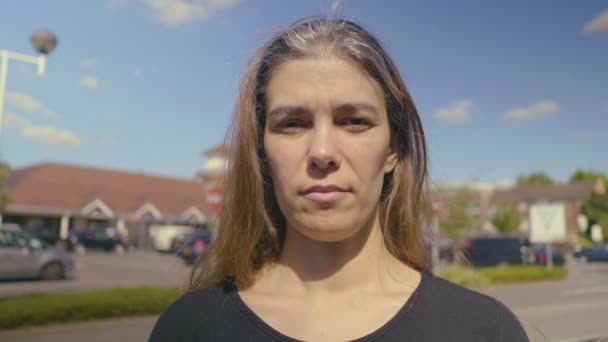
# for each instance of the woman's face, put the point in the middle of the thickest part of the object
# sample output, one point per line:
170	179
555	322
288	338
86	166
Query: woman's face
327	141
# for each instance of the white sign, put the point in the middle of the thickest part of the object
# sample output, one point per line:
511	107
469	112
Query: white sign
596	233
548	223
582	222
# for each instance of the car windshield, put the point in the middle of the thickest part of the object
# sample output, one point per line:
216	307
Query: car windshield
24	239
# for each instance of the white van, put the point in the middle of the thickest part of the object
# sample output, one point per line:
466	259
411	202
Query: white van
163	234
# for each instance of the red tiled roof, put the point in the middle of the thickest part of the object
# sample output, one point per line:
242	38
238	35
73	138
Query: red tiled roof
52	185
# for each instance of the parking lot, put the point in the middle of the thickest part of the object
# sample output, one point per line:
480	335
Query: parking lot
98	270
550	310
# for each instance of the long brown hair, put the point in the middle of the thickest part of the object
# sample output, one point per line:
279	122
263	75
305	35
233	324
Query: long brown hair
251	228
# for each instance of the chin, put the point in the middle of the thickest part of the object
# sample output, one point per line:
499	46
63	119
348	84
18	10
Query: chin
327	230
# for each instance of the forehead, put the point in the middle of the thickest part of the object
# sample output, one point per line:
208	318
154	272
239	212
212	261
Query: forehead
322	79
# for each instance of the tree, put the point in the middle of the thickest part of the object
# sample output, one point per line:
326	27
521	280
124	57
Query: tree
596	210
587	176
457	218
534	179
507	217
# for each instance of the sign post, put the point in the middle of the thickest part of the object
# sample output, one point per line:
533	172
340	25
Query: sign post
214	200
548	225
436	204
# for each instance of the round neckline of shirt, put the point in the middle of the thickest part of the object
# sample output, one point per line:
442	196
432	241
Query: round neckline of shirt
384	328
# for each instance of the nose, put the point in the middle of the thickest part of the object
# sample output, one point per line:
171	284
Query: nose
324	154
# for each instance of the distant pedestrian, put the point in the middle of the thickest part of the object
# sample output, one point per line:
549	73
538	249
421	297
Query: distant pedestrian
320	236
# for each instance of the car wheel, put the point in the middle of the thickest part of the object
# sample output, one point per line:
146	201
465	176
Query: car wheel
52	271
119	249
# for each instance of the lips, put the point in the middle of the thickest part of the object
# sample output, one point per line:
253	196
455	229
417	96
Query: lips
324	193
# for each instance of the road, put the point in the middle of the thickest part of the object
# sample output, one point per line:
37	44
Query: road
568	310
98	270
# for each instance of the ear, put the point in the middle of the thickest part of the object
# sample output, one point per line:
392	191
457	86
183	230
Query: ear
392	157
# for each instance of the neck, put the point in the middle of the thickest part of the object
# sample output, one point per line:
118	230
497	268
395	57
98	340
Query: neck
359	263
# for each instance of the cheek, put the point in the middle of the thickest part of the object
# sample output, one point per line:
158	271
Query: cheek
369	159
281	162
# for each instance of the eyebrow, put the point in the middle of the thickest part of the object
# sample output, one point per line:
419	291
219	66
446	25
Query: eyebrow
345	107
287	110
357	107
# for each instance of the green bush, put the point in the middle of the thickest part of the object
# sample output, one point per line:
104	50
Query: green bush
470	277
81	306
583	241
522	273
463	276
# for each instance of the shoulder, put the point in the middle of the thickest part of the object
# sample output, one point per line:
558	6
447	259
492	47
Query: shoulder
193	312
464	308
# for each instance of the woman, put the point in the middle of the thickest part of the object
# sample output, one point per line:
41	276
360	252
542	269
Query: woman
320	236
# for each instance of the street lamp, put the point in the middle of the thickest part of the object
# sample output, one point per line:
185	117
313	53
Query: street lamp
44	42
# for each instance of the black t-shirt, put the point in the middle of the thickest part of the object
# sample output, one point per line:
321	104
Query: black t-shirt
437	311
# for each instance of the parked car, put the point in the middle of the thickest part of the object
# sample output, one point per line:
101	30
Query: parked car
594	254
25	256
46	235
492	251
194	247
540	256
107	239
179	240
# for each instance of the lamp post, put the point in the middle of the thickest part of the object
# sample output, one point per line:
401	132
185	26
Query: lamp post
44	42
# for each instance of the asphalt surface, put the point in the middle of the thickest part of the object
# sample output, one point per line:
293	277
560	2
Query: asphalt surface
571	310
99	270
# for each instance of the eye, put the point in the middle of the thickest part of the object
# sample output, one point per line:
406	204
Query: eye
355	124
292	126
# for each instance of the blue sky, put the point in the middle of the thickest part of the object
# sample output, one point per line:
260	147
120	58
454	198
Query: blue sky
503	88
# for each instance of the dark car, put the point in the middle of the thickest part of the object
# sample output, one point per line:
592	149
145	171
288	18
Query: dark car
540	256
107	239
594	254
177	243
195	246
492	251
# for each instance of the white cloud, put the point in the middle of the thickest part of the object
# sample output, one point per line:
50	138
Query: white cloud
50	135
178	12
29	104
598	23
44	134
503	183
13	120
88	62
137	73
535	111
455	112
89	82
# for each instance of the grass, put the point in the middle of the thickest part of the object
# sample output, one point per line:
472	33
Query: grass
42	309
469	277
